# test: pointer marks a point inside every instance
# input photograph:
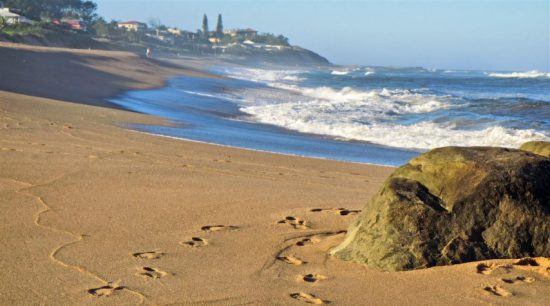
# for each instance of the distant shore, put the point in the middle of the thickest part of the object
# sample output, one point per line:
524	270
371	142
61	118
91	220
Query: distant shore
96	213
83	76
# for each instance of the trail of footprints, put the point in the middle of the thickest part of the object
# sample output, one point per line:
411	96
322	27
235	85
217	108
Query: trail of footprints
537	265
532	265
154	273
291	259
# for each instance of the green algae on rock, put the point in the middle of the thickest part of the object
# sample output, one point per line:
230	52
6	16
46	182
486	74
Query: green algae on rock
454	205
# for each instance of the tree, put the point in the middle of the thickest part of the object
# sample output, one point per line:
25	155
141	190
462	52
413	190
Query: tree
3	23
37	9
219	27
87	11
205	26
101	27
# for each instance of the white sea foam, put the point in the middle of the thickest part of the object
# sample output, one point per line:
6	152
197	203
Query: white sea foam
367	115
320	118
264	75
521	75
339	72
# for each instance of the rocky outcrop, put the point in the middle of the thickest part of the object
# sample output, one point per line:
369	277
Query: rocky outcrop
537	147
453	205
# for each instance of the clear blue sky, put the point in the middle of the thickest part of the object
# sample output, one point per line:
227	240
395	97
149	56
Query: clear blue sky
460	34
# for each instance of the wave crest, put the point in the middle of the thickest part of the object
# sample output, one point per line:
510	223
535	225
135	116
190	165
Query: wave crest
521	75
317	118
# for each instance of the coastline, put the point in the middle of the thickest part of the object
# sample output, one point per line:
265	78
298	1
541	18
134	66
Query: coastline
262	151
95	213
199	110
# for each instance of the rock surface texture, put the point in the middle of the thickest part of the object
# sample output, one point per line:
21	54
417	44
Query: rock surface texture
537	147
454	205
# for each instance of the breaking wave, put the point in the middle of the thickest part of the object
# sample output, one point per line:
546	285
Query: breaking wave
407	118
337	72
521	75
371	120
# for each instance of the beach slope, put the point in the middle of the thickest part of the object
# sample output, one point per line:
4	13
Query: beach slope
96	213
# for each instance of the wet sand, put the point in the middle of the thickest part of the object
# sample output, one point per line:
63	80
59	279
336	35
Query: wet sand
94	213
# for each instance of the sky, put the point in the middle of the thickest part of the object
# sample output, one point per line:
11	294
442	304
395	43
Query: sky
508	35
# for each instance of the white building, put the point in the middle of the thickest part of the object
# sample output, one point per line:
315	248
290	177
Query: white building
133	26
12	16
174	31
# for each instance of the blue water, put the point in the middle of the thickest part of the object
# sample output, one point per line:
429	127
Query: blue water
362	114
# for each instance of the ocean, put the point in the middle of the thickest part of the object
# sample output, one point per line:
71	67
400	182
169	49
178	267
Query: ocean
379	115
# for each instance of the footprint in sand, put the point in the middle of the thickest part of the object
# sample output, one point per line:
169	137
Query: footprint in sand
339	211
539	265
312	278
151	272
498	291
520	278
308	298
106	290
215	228
489	268
318	238
308	241
289	259
148	255
295	222
195	242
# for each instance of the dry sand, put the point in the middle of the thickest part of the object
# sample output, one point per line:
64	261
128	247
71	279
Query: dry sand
93	213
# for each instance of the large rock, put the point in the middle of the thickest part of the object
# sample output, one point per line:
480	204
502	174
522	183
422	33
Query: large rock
453	205
537	147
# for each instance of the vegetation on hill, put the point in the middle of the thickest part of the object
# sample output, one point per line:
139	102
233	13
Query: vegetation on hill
54	25
55	9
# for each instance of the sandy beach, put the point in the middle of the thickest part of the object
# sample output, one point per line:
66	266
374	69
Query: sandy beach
95	213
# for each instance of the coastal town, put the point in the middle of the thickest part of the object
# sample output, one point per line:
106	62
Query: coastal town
17	24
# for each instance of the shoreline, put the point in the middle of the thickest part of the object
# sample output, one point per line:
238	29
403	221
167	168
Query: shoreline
96	213
261	151
200	113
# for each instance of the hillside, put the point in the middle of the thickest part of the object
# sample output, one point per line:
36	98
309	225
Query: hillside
249	54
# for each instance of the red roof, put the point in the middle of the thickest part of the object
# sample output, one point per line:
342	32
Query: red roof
74	24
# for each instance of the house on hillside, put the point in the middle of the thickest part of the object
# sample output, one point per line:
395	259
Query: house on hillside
13	16
188	35
214	40
133	26
75	24
244	33
174	31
